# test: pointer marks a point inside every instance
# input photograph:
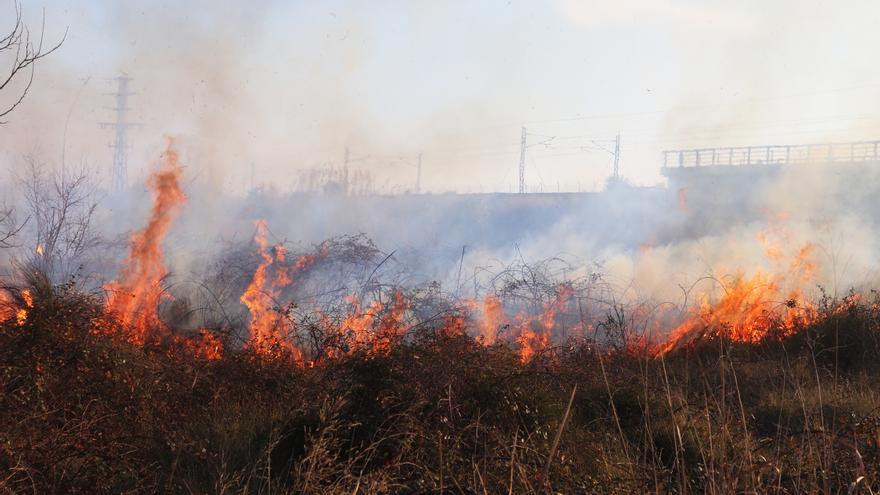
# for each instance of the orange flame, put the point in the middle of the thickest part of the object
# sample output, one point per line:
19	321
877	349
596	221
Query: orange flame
205	345
535	331
357	325
135	296
493	319
6	306
489	319
267	323
532	341
22	312
754	308
377	328
390	327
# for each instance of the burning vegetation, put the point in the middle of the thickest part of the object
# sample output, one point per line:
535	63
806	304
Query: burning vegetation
266	319
135	297
318	372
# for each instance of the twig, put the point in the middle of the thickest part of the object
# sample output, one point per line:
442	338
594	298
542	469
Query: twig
559	435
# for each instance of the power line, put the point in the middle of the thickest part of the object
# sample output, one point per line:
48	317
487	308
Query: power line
706	106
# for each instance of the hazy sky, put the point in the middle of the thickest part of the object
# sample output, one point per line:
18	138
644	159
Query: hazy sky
263	89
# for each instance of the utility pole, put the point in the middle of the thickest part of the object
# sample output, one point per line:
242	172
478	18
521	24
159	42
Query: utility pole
617	157
419	174
522	162
119	171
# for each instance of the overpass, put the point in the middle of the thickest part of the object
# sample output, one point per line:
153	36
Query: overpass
823	153
749	181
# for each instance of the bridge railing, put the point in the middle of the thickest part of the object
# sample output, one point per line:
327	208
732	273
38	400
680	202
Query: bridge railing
859	151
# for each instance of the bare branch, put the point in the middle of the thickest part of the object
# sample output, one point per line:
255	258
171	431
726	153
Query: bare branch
27	53
9	227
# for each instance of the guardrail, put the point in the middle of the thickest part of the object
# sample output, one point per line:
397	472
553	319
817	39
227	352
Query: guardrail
859	151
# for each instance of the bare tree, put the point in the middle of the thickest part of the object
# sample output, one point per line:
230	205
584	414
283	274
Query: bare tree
61	209
24	50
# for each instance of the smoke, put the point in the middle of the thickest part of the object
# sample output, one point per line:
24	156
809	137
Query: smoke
257	93
275	87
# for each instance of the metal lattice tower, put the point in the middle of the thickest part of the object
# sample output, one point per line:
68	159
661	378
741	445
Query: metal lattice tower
119	170
522	161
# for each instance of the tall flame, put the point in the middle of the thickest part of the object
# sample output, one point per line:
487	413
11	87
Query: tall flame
135	296
493	319
267	325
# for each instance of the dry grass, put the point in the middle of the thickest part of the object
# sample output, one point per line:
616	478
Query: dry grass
85	412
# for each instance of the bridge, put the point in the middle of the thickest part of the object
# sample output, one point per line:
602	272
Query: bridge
852	152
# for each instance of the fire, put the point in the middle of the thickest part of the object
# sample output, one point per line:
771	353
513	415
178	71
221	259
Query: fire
356	328
22	312
135	296
535	331
749	309
532	341
376	328
752	309
804	262
6	306
489	318
391	326
204	345
493	319
267	324
531	332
